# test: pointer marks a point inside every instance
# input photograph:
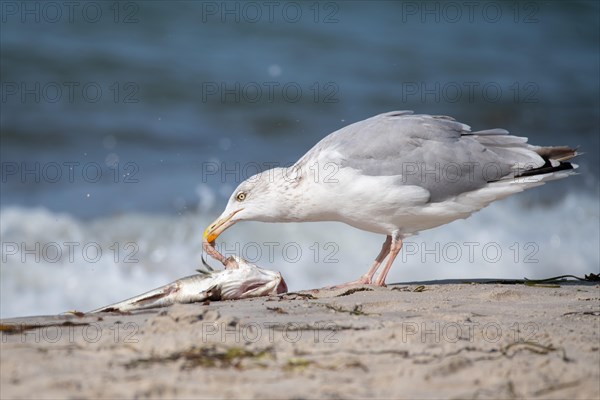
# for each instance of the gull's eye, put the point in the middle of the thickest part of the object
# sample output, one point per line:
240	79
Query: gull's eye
241	196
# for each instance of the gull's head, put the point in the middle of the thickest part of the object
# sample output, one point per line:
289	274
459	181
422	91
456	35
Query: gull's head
262	197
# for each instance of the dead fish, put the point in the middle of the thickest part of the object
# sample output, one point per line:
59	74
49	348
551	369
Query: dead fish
240	280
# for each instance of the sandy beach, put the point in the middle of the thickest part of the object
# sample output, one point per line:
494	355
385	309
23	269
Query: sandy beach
417	340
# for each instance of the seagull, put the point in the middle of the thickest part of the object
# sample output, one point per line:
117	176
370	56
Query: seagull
394	174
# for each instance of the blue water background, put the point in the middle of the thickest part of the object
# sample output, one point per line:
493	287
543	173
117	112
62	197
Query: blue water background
171	108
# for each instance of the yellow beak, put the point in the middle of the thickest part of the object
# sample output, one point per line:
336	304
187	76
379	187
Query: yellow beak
217	227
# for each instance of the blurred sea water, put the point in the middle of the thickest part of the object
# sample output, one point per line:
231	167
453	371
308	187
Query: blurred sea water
125	126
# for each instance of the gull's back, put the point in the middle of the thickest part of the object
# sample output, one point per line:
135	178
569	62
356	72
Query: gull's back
436	153
415	172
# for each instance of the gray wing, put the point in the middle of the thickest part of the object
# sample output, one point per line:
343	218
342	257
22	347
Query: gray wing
434	152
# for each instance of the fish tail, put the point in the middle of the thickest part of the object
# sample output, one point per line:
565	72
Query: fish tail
160	297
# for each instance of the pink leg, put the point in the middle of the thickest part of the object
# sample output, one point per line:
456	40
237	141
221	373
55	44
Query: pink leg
367	278
385	250
394	250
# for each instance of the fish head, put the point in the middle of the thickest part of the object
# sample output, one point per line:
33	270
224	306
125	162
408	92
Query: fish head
248	280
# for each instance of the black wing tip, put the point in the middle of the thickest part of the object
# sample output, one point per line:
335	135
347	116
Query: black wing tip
548	168
551	155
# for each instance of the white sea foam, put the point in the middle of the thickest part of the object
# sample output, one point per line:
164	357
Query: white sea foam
50	261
